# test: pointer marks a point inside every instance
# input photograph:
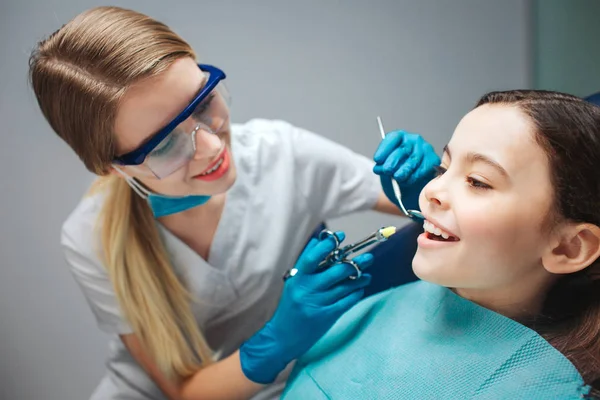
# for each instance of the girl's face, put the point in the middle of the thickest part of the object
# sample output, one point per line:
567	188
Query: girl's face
492	199
150	105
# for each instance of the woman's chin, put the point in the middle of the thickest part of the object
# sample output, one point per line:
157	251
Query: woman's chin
216	187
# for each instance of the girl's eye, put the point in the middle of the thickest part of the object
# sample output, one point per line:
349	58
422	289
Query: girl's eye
439	170
476	184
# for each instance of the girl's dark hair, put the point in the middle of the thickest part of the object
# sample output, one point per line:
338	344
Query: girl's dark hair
568	130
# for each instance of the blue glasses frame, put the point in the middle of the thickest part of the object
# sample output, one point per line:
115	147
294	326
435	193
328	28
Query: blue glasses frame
137	156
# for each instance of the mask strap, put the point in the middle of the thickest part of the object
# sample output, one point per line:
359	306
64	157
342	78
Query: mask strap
135	185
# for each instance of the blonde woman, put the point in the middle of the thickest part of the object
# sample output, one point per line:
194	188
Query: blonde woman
180	246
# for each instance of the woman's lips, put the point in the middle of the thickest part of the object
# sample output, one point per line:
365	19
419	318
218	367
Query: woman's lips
222	166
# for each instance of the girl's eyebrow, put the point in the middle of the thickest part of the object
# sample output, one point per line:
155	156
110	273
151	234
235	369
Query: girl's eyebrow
478	157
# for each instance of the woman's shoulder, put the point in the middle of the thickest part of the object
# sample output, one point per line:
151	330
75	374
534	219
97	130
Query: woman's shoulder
79	231
273	132
263	127
262	134
263	147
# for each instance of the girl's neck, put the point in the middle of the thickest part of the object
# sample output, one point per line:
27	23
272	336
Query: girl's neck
521	298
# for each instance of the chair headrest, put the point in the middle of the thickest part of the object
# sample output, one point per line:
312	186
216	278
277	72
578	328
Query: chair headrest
594	98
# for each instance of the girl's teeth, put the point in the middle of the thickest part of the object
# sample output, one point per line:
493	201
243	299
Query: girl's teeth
429	227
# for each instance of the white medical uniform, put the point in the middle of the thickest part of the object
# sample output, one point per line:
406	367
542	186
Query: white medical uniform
289	180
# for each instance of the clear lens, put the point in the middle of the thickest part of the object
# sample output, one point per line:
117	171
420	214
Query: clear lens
213	111
172	153
177	149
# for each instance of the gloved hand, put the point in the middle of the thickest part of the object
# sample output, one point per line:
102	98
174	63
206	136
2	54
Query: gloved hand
410	160
310	304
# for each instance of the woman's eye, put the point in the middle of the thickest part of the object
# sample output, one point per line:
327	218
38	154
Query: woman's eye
203	106
164	147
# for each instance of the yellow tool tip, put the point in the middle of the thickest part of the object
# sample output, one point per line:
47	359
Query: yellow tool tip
388	231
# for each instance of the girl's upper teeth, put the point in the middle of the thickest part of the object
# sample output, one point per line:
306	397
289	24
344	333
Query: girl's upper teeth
431	228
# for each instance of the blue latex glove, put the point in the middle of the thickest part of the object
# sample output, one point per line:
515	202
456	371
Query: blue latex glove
310	304
410	160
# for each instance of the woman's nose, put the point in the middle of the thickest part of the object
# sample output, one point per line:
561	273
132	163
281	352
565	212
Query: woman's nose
206	143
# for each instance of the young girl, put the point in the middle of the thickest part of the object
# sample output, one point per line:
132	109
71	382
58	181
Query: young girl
509	302
181	247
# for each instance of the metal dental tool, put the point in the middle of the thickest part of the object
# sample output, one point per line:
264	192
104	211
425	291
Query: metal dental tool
414	214
339	255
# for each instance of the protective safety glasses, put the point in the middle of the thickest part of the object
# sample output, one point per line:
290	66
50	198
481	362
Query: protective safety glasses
174	145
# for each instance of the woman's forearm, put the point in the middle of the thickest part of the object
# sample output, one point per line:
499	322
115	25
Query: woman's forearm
223	380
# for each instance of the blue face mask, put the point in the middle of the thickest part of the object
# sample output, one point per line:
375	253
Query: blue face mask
161	204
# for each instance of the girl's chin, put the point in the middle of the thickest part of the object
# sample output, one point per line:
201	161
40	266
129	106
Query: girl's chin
433	272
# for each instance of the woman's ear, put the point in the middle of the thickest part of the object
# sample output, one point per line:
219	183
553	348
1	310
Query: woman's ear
575	248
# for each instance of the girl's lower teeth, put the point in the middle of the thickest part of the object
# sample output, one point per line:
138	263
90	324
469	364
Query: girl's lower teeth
433	236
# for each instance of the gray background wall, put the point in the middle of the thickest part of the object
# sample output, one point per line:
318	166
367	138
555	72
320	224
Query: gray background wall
328	66
567	45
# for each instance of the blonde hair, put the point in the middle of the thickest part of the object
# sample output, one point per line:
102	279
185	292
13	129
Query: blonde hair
79	75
